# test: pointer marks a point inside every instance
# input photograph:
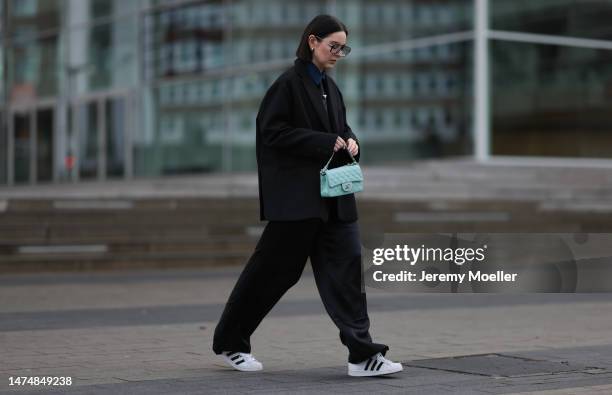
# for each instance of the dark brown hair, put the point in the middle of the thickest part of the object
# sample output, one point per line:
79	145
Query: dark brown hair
321	26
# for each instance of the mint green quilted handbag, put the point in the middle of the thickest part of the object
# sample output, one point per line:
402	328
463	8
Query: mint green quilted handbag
342	180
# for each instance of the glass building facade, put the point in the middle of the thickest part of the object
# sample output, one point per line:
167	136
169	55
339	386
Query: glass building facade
104	89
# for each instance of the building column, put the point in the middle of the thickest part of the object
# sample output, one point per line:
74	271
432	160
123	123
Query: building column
74	72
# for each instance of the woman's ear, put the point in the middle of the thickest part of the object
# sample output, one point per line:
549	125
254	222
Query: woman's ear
311	41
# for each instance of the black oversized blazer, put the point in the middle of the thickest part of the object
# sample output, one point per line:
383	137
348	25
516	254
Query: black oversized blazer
294	140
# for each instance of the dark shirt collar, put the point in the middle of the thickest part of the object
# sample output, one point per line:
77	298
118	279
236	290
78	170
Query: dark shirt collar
314	73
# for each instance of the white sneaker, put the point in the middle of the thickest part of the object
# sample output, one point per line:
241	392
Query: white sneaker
241	361
376	365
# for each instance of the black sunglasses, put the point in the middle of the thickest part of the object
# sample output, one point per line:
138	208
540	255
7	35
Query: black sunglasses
336	48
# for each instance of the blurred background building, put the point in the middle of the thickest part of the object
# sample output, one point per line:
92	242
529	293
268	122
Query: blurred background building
103	89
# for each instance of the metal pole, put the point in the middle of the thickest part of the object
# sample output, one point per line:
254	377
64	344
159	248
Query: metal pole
227	88
129	125
10	170
33	117
60	134
481	111
75	138
102	128
7	119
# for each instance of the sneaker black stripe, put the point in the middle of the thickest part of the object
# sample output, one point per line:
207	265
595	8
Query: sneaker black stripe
235	357
230	353
367	364
379	365
239	362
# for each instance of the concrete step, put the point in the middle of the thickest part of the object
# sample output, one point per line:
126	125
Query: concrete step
108	261
213	220
152	246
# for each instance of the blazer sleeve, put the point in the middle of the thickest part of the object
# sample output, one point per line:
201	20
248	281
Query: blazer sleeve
347	133
274	121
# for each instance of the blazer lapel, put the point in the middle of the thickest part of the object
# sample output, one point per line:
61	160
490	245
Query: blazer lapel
314	94
333	101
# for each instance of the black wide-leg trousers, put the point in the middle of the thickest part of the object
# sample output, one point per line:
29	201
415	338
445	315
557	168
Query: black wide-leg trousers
277	264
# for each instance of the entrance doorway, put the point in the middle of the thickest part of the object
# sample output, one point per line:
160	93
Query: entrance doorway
31	144
100	139
92	143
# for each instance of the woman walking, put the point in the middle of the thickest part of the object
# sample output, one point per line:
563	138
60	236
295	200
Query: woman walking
300	124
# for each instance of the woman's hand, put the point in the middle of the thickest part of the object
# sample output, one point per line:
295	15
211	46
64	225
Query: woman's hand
340	143
352	147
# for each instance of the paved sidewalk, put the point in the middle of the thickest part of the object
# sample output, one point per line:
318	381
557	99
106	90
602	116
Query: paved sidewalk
150	332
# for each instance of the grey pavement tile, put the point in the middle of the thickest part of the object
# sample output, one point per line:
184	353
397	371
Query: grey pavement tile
537	384
600	355
497	365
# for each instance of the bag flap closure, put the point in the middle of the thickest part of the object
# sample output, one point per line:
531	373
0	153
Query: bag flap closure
340	175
